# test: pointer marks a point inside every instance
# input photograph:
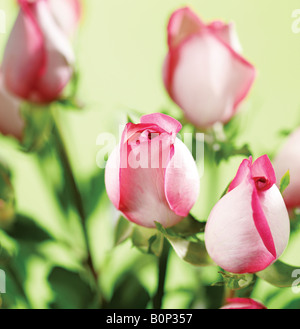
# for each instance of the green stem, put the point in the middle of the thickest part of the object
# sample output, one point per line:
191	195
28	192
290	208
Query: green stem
162	269
76	196
17	281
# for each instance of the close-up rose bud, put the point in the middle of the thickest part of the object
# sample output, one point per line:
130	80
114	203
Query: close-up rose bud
248	229
288	158
243	304
203	72
152	176
38	57
11	122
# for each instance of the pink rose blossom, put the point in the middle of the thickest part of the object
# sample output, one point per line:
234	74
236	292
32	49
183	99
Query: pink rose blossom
289	159
203	72
38	58
248	229
151	176
243	304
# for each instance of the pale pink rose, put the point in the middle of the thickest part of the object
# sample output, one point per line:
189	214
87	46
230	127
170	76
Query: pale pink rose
243	304
248	229
203	72
152	176
38	57
11	122
289	159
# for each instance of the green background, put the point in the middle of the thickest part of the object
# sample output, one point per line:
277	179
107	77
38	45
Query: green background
120	49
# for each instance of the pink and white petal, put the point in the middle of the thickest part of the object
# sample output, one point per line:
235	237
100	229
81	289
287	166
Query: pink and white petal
277	216
182	182
261	223
24	56
67	14
59	55
263	173
231	237
227	33
182	24
57	75
163	121
11	122
289	159
112	177
209	80
54	36
142	196
243	173
243	303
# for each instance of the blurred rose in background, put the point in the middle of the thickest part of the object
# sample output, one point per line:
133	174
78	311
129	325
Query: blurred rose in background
288	158
38	59
203	72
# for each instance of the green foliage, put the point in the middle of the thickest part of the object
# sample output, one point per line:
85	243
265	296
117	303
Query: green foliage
235	281
147	240
123	230
71	290
278	274
26	229
285	181
129	293
225	150
193	252
38	127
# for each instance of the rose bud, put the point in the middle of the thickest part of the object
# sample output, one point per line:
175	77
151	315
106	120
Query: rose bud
151	176
243	304
289	159
67	14
203	72
38	58
11	122
248	229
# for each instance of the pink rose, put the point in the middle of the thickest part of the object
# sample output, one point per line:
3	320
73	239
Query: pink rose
248	229
243	304
151	176
11	122
38	57
289	159
203	72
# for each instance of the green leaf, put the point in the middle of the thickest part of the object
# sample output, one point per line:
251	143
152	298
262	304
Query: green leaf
285	181
123	230
189	226
71	290
26	229
38	126
225	150
156	243
93	191
192	252
5	255
147	240
279	274
235	281
129	293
